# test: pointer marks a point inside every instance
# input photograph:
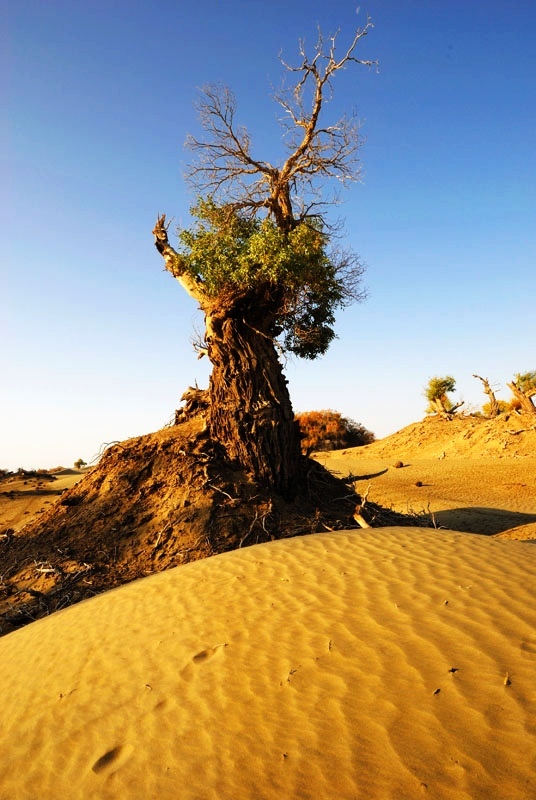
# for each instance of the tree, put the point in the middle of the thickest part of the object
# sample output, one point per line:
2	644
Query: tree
79	463
523	387
262	262
329	430
494	408
436	393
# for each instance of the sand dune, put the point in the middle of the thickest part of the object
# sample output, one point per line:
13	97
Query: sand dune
394	663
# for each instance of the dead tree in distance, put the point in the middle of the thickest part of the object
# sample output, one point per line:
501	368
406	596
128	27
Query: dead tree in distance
524	389
494	409
261	261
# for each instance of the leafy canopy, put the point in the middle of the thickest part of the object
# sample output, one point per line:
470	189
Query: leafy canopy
436	394
225	251
526	382
438	387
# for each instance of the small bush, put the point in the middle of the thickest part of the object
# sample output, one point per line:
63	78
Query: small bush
436	392
328	430
504	408
526	382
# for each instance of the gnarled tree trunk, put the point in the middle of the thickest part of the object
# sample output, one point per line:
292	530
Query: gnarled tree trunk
523	398
442	407
250	413
494	409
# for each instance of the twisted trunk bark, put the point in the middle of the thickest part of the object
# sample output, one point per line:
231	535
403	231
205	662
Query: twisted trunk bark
250	413
494	409
524	398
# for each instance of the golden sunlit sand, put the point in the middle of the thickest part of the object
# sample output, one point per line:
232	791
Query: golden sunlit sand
393	663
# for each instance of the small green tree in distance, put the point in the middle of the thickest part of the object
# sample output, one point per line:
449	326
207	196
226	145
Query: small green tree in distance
436	392
79	463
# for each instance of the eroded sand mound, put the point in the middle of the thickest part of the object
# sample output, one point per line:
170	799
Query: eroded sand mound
392	663
509	435
154	502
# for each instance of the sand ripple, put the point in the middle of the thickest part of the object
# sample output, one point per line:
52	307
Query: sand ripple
392	663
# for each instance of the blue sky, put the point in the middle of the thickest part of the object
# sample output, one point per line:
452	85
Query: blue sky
100	97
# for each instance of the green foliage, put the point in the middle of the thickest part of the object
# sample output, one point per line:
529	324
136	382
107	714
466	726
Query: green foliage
436	393
526	382
79	463
438	387
225	252
328	430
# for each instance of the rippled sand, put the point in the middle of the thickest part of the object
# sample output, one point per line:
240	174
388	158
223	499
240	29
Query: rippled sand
392	663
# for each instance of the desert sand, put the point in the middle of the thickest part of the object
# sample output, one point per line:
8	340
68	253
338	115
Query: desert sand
24	497
382	664
466	474
393	663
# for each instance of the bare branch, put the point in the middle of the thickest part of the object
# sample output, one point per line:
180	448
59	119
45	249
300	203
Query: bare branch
320	76
225	167
224	162
173	261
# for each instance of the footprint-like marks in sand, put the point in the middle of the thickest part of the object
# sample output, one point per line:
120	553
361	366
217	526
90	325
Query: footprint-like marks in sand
529	646
201	658
112	759
208	653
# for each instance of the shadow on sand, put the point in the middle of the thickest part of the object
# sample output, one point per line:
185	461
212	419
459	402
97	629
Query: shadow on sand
351	478
486	521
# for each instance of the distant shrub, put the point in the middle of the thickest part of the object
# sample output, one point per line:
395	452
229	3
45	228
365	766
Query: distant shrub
526	382
80	463
436	392
504	408
328	430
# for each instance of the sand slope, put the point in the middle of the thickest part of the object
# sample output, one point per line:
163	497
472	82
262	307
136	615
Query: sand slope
24	497
469	474
339	666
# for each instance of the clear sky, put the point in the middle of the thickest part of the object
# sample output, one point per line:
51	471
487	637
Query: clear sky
100	97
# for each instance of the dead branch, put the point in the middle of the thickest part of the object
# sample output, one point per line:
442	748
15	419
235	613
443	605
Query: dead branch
173	261
494	406
358	515
523	397
522	430
226	169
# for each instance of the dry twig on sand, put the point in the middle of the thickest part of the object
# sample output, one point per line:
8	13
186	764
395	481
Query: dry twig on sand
358	516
